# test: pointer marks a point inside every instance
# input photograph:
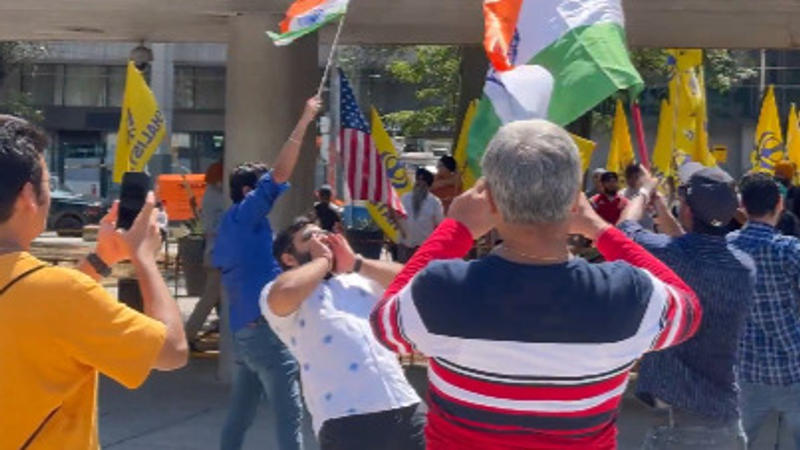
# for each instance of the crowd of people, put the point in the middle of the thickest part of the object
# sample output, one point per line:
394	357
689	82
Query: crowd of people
528	347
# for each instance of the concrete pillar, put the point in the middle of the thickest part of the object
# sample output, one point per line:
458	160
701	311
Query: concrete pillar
474	65
162	82
266	91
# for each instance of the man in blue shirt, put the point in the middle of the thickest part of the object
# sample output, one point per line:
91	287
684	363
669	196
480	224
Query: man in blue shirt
769	351
694	384
243	252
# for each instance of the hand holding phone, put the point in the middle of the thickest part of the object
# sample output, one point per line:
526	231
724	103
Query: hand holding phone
135	186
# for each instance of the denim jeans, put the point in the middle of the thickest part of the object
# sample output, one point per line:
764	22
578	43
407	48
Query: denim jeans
264	368
686	431
759	400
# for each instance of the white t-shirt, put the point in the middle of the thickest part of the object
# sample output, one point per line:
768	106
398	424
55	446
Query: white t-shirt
345	371
418	228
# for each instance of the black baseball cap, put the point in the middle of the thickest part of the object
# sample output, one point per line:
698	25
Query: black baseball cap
710	193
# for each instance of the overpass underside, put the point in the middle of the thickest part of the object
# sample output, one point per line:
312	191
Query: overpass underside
650	23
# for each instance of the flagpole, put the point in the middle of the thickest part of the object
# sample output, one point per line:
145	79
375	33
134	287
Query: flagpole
636	111
330	55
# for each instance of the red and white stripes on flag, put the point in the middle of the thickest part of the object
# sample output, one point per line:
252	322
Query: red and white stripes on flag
364	171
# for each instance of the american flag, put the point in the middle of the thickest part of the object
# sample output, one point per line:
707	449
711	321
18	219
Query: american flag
363	167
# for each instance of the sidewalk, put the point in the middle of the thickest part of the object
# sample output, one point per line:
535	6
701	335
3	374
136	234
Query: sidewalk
186	410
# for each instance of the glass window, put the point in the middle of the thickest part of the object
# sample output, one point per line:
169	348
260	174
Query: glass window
39	80
85	86
184	87
209	88
116	85
199	88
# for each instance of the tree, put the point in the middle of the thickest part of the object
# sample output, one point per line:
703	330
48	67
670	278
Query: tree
724	68
434	70
13	56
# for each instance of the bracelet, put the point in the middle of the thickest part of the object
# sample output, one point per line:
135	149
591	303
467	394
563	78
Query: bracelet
295	140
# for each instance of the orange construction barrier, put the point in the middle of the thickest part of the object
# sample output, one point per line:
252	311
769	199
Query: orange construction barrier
182	195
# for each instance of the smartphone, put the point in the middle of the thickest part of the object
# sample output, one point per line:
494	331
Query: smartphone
135	186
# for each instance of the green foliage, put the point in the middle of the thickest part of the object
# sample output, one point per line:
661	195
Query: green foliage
726	68
13	56
435	71
21	105
723	68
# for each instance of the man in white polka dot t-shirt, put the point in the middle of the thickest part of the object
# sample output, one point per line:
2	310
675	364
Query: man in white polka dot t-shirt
319	307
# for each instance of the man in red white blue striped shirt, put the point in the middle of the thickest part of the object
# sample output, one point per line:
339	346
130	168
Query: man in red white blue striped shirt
530	348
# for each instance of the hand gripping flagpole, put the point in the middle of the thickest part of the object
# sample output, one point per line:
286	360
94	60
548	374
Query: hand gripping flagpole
330	55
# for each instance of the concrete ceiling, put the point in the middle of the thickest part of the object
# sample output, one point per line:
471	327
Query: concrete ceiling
651	23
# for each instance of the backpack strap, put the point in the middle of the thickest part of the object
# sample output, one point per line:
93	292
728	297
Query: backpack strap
20	277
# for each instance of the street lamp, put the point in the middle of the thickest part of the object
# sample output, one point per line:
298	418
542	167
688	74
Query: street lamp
141	57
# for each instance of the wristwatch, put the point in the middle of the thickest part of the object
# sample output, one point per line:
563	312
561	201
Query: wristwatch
357	265
98	265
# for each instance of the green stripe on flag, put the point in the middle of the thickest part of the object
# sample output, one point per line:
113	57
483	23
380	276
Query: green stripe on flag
589	64
289	37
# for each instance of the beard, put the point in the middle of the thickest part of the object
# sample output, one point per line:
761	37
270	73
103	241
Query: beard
302	258
418	196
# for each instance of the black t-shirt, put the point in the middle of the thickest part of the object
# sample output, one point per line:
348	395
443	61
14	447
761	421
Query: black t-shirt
327	216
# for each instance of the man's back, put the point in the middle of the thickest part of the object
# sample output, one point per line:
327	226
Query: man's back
243	251
770	345
59	328
531	354
699	375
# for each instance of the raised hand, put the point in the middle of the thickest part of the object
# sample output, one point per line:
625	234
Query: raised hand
318	248
111	246
313	106
343	255
585	221
474	210
143	239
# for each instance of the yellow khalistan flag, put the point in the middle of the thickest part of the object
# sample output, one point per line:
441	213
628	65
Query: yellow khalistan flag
585	149
687	97
620	153
141	127
768	144
793	137
380	213
662	152
460	154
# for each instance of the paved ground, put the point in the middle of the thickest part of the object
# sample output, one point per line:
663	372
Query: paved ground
186	410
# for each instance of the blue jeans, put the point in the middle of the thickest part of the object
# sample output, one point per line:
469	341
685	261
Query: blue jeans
683	430
759	400
264	367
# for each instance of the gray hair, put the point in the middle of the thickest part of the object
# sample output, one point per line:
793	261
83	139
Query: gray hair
533	170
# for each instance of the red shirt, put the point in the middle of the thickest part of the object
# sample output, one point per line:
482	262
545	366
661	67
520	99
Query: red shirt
609	208
473	409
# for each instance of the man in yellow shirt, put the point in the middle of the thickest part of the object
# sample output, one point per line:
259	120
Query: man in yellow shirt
58	327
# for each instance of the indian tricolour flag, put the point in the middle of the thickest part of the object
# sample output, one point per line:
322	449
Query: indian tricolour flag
551	59
307	16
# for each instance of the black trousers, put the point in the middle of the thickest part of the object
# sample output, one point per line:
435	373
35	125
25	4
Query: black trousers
396	429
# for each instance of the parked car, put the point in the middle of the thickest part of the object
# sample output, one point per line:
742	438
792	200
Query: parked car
70	212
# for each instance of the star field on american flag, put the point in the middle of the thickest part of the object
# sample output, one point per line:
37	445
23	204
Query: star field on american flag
352	117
